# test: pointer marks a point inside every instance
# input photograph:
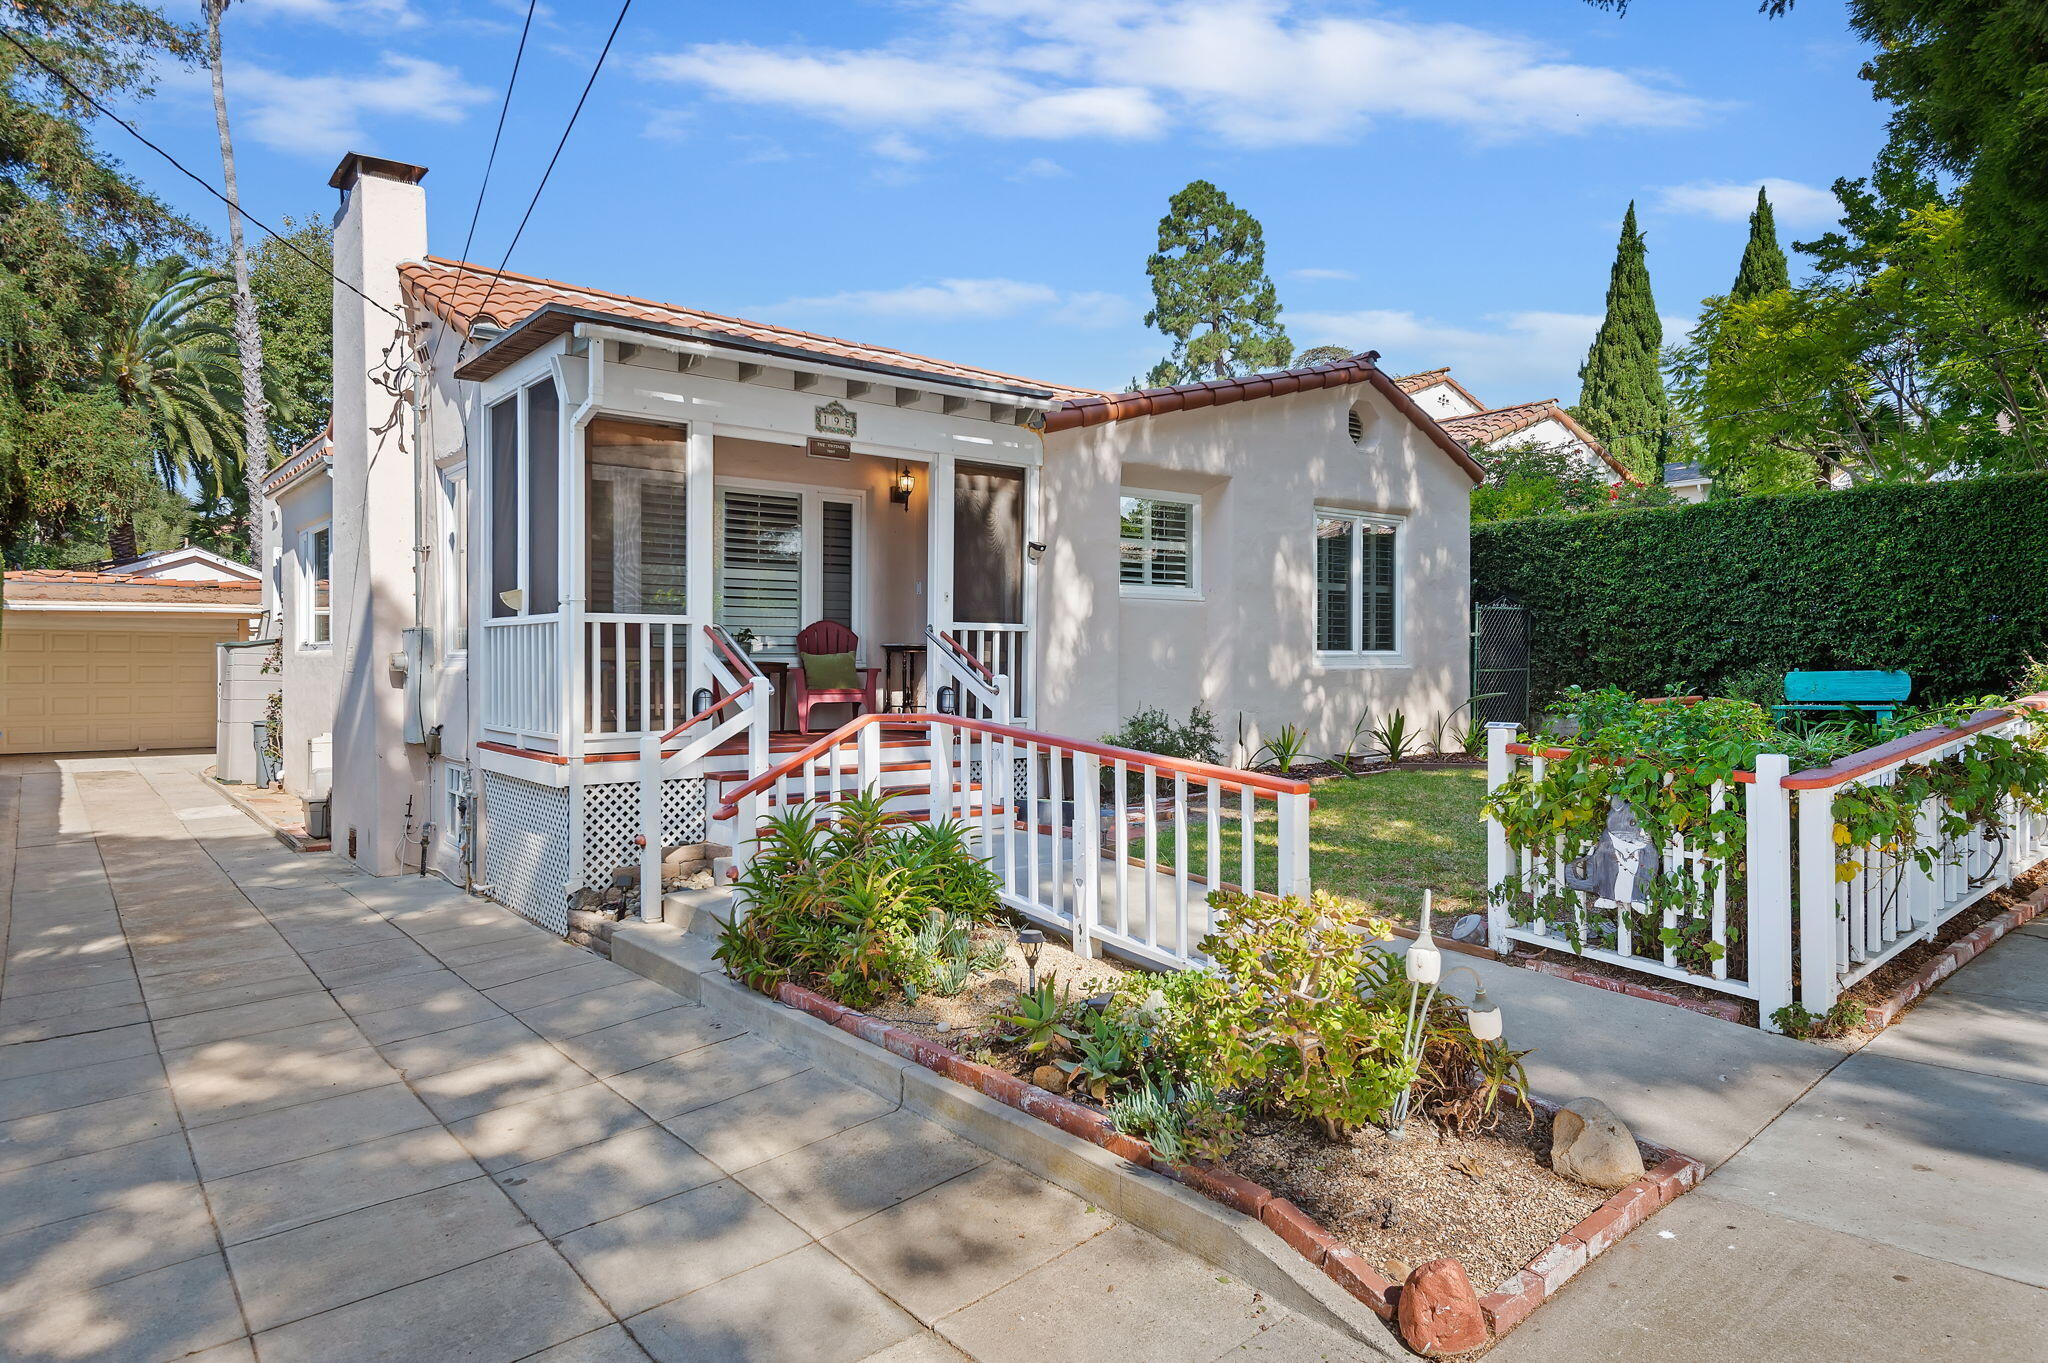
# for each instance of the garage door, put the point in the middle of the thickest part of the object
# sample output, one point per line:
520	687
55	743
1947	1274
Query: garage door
105	683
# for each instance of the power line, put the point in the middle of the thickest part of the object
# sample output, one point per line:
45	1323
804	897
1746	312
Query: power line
136	133
574	114
503	109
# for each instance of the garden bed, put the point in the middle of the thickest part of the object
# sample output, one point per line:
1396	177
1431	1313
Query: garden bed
1487	1198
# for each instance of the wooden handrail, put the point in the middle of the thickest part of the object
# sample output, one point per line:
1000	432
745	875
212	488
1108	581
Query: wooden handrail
710	710
741	663
960	652
1747	778
1257	782
1846	769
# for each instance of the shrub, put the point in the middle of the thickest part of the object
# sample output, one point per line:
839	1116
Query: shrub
1153	730
843	906
1916	577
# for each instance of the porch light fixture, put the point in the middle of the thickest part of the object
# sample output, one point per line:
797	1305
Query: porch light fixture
1035	550
700	700
948	700
901	486
1030	941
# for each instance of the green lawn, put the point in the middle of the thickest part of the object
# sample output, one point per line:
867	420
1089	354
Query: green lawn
1379	840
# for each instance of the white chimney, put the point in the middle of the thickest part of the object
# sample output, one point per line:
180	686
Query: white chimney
382	222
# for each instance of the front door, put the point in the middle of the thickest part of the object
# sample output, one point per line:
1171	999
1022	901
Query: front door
787	556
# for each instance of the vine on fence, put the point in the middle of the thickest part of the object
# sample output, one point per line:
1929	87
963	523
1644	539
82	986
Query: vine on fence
1674	766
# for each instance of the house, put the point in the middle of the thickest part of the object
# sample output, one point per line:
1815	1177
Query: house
570	536
120	659
1542	423
1688	482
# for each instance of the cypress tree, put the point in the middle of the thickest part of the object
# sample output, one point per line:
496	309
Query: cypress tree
1621	385
1763	267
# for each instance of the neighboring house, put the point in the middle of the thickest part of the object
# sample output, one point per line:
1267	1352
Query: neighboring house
1688	482
121	660
299	497
536	523
1477	427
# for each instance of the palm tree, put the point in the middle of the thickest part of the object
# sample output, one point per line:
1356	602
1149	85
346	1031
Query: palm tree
248	333
163	357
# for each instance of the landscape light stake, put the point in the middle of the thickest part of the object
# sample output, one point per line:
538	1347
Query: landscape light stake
1424	965
1029	941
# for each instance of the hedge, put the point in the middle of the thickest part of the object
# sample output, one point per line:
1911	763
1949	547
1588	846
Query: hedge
1948	581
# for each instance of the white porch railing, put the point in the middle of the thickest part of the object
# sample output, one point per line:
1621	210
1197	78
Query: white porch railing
1737	937
1004	651
982	691
636	671
522	677
1057	819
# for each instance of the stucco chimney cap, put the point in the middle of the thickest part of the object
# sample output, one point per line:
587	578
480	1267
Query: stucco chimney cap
356	165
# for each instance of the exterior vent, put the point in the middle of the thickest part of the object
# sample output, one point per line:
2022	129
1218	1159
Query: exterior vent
1355	421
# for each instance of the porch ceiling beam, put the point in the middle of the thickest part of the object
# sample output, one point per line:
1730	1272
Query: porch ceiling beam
859	383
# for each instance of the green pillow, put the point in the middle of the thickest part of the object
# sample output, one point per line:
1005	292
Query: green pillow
830	672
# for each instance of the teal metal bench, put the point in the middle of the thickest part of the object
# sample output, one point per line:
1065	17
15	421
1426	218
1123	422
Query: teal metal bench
1878	692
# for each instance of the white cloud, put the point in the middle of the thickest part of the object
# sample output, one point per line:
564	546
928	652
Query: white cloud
340	13
1248	72
896	147
1318	272
1040	168
1731	201
324	114
961	300
1507	358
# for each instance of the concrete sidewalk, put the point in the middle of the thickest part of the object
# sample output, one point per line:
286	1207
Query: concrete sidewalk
1898	1209
254	1105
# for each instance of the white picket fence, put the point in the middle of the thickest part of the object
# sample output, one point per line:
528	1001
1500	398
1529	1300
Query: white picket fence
1784	877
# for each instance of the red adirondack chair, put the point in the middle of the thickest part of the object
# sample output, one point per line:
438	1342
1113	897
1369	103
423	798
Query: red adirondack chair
828	636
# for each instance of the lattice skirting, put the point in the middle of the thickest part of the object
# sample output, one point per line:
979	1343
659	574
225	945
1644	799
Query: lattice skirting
611	820
526	848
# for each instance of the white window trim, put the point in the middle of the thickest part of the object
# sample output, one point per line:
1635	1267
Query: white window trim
1145	591
1341	659
304	592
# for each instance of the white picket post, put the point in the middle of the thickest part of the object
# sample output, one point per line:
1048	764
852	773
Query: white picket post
1500	765
1088	852
1290	869
1819	971
1768	854
868	746
650	827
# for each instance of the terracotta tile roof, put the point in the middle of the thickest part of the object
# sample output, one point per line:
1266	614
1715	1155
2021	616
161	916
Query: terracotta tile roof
1428	378
455	290
1483	428
300	461
62	576
1097	409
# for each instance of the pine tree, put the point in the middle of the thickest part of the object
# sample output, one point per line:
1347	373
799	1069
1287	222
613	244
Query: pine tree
1210	291
1621	394
1763	267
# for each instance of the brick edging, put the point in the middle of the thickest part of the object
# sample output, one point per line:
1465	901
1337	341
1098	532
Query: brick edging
1671	1175
1951	958
1725	1009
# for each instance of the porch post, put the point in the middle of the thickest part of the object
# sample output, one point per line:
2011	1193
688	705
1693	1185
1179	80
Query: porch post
700	547
569	556
1024	703
939	573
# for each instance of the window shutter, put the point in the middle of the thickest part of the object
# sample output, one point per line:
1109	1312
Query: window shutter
836	567
1379	588
762	586
603	588
1333	584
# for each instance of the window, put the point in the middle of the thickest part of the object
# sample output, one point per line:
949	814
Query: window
1157	540
454	540
505	508
316	561
1357	573
525	502
636	503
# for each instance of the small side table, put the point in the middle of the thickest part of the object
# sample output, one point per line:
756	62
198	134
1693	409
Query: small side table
902	678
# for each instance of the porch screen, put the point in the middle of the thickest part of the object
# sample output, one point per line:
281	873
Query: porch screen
637	506
760	586
988	545
543	486
504	505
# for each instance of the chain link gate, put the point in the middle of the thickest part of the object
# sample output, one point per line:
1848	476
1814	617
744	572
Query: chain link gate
1500	661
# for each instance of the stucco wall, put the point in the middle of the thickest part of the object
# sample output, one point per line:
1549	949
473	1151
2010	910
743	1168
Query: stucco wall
310	674
1247	645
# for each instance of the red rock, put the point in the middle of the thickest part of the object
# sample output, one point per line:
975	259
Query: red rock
1439	1312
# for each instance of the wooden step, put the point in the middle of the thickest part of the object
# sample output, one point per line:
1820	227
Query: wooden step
841	796
741	775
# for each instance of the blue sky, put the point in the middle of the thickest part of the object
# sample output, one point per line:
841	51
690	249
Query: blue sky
982	179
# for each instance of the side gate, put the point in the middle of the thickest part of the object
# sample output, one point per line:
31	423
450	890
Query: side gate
1500	661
